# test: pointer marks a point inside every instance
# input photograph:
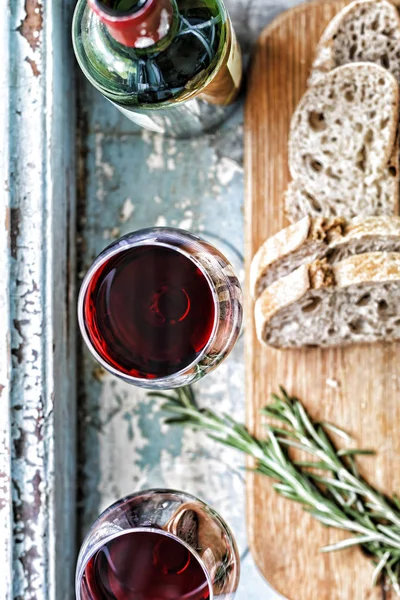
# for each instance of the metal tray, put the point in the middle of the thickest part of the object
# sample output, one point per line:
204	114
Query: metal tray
75	174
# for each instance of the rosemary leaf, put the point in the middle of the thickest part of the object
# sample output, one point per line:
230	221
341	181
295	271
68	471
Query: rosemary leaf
355	452
396	501
313	465
355	541
332	482
337	496
379	568
334	429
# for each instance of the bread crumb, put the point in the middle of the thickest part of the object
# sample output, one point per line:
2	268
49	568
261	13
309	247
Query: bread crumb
333	383
335	228
321	274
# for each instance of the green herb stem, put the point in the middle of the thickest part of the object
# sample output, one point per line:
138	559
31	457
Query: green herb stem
340	498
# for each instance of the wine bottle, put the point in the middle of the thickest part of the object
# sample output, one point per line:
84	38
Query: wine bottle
171	66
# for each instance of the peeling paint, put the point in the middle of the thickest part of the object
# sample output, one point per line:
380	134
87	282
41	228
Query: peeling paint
31	26
19	325
36	452
35	69
156	160
172	148
111	234
105	170
3	501
18	353
98	372
161	222
227	169
127	210
186	223
15	218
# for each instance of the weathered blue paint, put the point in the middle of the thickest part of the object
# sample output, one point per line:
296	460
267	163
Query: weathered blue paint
134	179
37	367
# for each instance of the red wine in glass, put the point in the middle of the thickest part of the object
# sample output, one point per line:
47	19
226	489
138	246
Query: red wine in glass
145	565
158	545
160	308
150	311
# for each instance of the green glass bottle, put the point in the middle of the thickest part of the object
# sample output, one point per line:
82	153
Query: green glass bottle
171	66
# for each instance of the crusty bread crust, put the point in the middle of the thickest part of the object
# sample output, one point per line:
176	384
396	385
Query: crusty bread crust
326	58
371	226
306	239
282	293
376	267
313	238
373	270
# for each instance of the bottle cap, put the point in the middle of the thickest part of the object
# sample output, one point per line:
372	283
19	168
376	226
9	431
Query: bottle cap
140	29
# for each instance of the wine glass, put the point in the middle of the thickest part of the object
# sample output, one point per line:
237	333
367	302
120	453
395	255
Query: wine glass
160	308
159	545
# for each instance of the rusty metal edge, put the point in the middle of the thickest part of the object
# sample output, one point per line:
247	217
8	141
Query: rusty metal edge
37	303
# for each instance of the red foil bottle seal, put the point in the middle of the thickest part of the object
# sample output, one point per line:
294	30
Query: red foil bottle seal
141	29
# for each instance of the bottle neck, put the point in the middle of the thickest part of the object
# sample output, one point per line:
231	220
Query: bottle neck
144	24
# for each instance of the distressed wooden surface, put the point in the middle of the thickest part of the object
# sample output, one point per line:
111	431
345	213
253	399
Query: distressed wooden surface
356	387
37	366
131	179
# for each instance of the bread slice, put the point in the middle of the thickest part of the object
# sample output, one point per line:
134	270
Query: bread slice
342	153
379	198
302	242
316	238
353	301
364	31
344	128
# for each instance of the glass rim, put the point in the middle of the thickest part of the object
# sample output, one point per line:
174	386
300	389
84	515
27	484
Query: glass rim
167	534
106	255
157	490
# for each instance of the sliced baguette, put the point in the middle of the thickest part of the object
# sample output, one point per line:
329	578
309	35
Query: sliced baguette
316	238
343	130
302	242
353	301
342	152
364	31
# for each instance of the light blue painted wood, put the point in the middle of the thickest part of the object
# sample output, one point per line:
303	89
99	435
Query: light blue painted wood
137	180
6	522
133	179
37	241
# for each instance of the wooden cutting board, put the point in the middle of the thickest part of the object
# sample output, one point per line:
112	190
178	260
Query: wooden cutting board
356	388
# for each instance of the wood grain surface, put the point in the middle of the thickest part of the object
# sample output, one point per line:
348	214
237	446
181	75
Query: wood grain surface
357	387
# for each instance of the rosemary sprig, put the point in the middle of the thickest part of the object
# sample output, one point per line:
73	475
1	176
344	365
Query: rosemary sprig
328	485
